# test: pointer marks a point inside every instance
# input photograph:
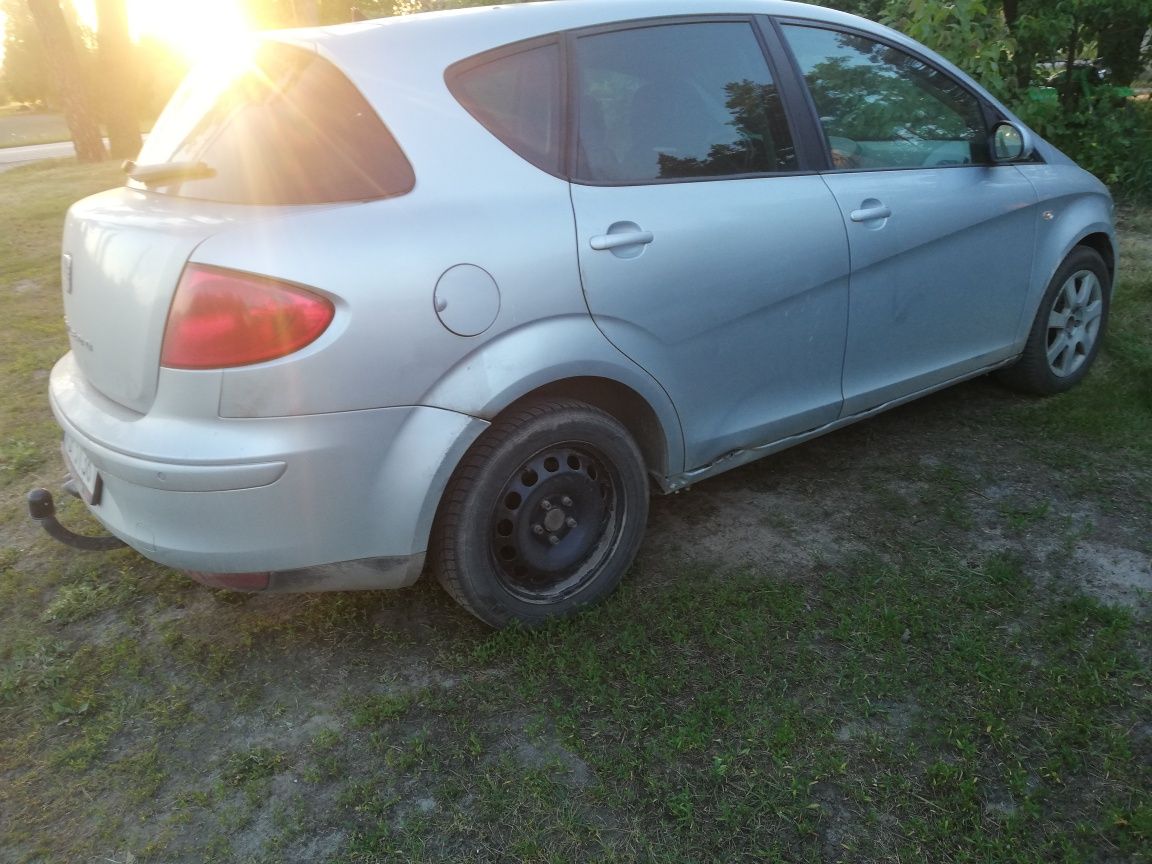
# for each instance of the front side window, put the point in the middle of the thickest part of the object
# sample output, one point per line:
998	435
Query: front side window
883	108
677	101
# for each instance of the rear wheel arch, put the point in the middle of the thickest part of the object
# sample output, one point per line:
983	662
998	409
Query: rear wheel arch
620	401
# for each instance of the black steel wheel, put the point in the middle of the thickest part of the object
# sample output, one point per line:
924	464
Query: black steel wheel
543	516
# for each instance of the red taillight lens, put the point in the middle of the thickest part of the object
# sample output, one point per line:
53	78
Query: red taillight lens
223	318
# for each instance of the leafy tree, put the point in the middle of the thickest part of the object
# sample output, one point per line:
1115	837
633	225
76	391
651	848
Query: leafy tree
65	64
971	33
118	79
26	75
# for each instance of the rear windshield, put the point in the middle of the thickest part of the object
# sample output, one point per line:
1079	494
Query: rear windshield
286	128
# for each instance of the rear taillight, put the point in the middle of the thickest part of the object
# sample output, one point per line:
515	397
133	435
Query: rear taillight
225	318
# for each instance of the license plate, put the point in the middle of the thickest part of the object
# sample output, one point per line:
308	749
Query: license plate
82	471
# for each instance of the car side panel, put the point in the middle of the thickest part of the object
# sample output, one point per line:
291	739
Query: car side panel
520	361
380	263
937	287
1079	205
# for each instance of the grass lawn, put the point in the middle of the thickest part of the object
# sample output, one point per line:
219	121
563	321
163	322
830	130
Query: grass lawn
21	128
925	638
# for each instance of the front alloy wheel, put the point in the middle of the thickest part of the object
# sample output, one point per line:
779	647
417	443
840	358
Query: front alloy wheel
1068	328
1074	323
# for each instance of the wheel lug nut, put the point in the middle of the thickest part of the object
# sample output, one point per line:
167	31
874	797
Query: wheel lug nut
537	529
570	522
553	539
566	501
546	504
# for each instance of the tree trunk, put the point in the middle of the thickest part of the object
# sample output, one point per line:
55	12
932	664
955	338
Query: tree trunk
1023	59
65	66
118	79
1070	93
1119	41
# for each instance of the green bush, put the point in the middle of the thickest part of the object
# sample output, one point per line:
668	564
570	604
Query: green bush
1109	132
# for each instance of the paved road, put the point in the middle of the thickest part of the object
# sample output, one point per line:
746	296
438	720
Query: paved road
10	157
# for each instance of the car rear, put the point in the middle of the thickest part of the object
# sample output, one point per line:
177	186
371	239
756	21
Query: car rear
272	153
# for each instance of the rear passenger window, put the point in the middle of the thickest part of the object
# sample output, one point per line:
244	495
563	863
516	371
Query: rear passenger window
678	101
288	129
517	98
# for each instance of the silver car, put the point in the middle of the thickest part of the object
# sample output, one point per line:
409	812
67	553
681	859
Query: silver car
459	290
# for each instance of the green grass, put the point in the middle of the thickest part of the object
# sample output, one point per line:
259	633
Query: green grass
23	128
913	692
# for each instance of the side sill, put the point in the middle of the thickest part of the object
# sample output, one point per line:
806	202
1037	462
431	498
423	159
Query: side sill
742	457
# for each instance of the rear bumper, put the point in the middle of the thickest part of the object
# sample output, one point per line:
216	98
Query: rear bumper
191	490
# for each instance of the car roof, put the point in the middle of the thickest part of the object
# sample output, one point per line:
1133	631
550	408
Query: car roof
455	34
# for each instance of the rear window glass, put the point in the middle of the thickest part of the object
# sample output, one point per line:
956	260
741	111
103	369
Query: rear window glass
517	98
286	128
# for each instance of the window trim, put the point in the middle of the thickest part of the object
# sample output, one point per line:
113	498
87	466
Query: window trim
755	23
987	111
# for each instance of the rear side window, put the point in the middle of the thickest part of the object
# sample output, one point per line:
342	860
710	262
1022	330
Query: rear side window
289	128
678	101
517	98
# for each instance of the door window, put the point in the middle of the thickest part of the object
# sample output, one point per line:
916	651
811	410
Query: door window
678	101
883	108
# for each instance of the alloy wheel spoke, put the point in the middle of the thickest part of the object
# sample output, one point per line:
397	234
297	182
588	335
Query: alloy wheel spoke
1057	320
1092	312
1067	298
1089	288
1057	351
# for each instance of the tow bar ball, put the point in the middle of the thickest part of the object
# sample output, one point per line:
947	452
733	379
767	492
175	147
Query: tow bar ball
42	508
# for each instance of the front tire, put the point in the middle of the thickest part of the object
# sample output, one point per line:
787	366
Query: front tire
1068	329
543	515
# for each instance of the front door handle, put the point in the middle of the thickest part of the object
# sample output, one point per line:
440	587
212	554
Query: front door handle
624	238
870	210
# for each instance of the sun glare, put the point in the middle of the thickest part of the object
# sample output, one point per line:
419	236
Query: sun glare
193	28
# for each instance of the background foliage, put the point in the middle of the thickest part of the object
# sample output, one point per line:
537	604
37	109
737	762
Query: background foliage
1067	67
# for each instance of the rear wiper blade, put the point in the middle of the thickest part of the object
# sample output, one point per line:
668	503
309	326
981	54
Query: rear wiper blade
162	171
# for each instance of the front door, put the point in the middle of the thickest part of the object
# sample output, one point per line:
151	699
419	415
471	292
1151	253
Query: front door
941	239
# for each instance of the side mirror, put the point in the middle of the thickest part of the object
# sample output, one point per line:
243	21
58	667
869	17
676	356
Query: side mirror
1010	143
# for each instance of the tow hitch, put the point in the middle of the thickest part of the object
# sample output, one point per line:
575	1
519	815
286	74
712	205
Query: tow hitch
42	508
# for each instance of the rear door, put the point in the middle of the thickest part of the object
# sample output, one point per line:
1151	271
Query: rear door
707	254
941	239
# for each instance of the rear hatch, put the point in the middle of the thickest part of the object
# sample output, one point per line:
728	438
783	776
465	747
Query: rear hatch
277	131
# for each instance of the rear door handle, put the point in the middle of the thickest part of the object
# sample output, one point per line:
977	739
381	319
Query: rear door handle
624	238
867	214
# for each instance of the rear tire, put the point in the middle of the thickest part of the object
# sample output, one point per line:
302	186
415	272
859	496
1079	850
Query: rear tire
543	515
1068	329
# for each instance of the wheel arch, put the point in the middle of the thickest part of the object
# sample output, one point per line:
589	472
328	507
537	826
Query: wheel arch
1102	244
566	357
620	401
1084	222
